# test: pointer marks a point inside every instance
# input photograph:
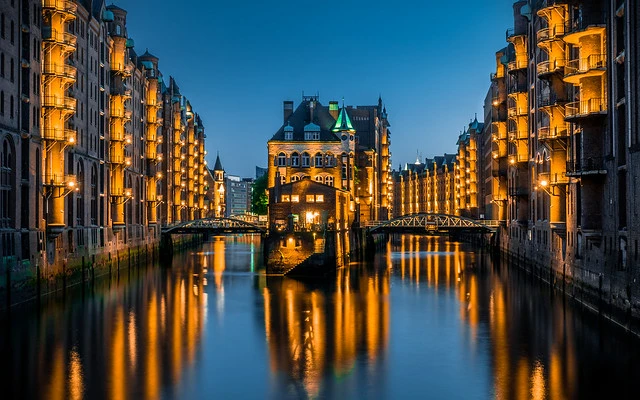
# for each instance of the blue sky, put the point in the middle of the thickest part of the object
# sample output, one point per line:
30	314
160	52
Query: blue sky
237	62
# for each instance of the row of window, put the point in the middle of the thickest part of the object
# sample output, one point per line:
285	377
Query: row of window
304	160
324	179
294	198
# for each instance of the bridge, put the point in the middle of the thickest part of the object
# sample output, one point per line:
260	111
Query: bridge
215	226
426	222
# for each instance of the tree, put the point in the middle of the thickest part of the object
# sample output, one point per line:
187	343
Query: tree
259	196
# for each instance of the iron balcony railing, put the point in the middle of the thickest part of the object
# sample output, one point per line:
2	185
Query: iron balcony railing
552	178
53	180
117	159
550	66
61	102
585	107
586	165
66	6
68	135
550	99
61	70
551	33
517	65
557	132
63	38
582	65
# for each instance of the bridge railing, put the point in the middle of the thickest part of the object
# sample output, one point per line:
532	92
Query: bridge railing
490	223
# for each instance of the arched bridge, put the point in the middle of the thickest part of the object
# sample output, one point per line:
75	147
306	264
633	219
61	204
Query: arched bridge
432	222
216	226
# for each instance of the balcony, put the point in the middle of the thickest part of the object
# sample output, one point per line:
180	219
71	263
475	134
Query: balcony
515	111
517	65
577	69
557	132
67	7
584	27
65	39
547	68
586	108
546	179
64	103
117	159
54	180
550	100
586	166
117	135
551	33
62	135
511	34
63	71
121	90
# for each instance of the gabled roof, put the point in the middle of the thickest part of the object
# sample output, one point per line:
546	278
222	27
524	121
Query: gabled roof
301	117
113	7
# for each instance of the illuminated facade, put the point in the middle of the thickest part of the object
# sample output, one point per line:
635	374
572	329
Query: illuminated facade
467	167
428	187
82	130
343	147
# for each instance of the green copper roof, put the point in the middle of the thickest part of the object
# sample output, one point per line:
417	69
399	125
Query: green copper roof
343	123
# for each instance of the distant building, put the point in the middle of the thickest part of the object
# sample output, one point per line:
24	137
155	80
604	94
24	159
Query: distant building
238	195
261	171
219	199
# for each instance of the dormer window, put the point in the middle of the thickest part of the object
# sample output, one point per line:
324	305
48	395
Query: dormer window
312	135
288	135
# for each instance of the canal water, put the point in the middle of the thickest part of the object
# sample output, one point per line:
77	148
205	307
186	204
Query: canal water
427	318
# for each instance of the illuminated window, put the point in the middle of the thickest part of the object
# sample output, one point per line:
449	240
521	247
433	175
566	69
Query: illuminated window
319	198
283	179
295	198
310	198
295	178
285	198
319	178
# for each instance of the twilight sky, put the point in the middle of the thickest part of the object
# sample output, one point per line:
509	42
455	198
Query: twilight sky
236	61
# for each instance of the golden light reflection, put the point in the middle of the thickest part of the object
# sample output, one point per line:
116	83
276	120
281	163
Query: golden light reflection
538	390
76	378
132	339
118	364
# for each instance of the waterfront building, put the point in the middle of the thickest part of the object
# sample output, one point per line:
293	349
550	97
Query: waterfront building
467	167
306	205
342	147
83	132
428	187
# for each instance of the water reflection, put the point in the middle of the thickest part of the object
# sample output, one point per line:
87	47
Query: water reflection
318	329
427	318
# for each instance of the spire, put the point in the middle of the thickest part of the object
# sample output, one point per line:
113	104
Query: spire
343	123
218	165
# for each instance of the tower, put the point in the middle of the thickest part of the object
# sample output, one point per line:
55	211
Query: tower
219	189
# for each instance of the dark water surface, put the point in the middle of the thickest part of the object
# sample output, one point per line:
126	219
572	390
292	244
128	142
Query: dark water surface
427	319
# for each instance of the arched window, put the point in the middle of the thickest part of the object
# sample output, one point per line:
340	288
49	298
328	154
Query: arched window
283	179
79	195
295	178
94	195
329	161
319	179
329	181
7	185
118	29
345	166
2	102
2	65
318	160
295	159
305	159
282	160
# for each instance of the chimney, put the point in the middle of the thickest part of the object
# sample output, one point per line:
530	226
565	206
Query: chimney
288	110
312	106
334	110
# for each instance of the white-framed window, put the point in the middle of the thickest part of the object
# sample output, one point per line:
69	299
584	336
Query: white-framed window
305	159
319	198
283	179
295	160
282	160
319	178
295	198
295	178
318	160
328	181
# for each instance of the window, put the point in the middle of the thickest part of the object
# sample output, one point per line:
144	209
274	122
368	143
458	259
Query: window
7	189
282	160
329	161
2	65
295	198
11	73
329	181
2	25
319	198
2	102
285	198
319	178
283	179
305	159
295	178
288	135
12	33
318	160
295	160
11	106
310	198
